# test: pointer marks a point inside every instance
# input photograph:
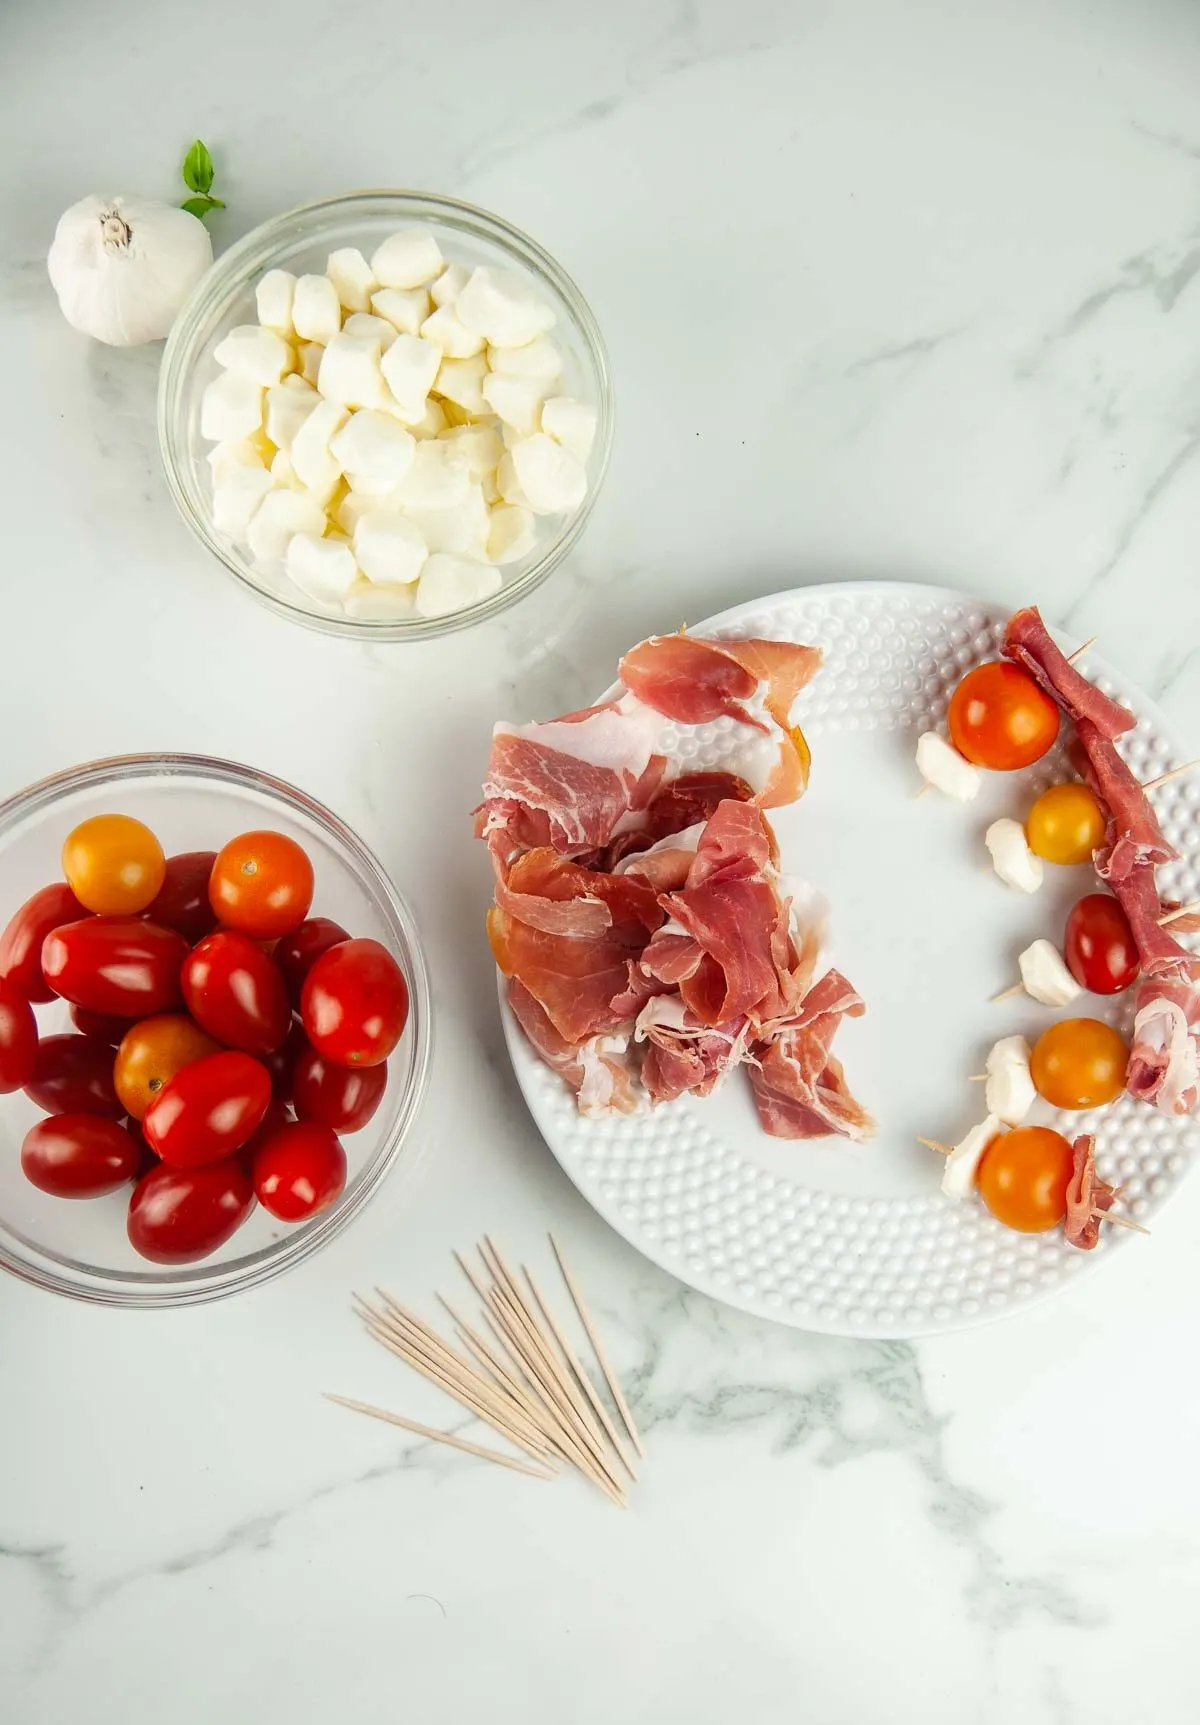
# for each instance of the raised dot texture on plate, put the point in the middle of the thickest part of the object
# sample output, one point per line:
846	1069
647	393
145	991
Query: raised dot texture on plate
858	1240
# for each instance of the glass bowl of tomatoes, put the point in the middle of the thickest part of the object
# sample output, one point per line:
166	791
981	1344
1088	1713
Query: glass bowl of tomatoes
222	956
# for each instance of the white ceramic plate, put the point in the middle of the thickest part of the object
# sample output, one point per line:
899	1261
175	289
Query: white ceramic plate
858	1239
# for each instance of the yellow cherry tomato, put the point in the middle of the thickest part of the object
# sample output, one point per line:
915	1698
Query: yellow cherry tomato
1065	825
114	865
1079	1063
1023	1178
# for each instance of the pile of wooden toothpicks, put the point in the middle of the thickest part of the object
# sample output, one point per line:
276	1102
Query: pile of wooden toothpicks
527	1382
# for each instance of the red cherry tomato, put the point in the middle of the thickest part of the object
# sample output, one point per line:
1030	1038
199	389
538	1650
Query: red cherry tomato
298	952
234	991
262	884
281	1062
1099	947
1000	718
208	1110
116	964
78	1156
341	1097
18	1039
177	1215
354	1003
278	1114
299	1171
100	1026
22	941
74	1075
182	902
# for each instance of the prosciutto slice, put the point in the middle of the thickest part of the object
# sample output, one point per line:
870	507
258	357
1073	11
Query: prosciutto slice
720	945
585	980
599	1070
1164	1062
1088	1196
1027	642
800	1089
681	803
1134	834
1161	954
566	783
682	1055
693	681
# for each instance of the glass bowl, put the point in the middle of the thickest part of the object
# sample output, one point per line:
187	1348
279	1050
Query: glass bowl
79	1246
301	241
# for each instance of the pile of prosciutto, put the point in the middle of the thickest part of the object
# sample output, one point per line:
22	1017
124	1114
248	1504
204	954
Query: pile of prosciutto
650	940
1164	1062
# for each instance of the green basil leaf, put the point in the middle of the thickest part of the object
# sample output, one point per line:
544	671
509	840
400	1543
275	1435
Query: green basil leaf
200	206
198	168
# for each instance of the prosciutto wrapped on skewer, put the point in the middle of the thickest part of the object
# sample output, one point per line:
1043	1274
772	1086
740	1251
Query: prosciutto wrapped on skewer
1161	954
1028	642
1088	1196
1164	1062
1134	834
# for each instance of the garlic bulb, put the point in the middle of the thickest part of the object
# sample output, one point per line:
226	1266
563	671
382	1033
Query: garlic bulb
122	267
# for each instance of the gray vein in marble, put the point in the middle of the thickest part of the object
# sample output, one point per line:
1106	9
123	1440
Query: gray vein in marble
675	52
1133	523
917	348
70	1601
806	1401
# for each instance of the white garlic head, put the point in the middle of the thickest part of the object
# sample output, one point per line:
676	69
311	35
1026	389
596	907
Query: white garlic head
122	267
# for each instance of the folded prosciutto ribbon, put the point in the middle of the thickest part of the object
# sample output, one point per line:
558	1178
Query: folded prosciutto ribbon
582	781
651	942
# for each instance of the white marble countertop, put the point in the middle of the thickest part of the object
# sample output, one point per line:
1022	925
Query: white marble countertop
896	291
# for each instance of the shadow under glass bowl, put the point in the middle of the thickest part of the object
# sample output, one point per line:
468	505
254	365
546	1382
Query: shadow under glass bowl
301	241
79	1247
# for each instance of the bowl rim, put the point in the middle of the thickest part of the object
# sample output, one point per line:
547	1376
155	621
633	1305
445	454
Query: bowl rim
197	1283
180	354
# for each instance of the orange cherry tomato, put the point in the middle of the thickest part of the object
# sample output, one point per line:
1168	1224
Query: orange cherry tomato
999	718
1065	825
1079	1063
113	864
262	885
1023	1177
150	1055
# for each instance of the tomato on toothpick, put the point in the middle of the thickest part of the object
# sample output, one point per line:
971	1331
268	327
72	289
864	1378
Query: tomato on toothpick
1065	825
1079	1063
1023	1177
1099	947
1000	718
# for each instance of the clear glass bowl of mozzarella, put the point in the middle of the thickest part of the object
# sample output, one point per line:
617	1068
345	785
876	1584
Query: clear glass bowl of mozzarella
389	414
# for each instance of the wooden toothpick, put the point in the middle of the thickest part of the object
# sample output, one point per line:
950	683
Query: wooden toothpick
1166	778
936	1144
1119	1221
436	1436
1179	911
1073	658
1007	994
610	1377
